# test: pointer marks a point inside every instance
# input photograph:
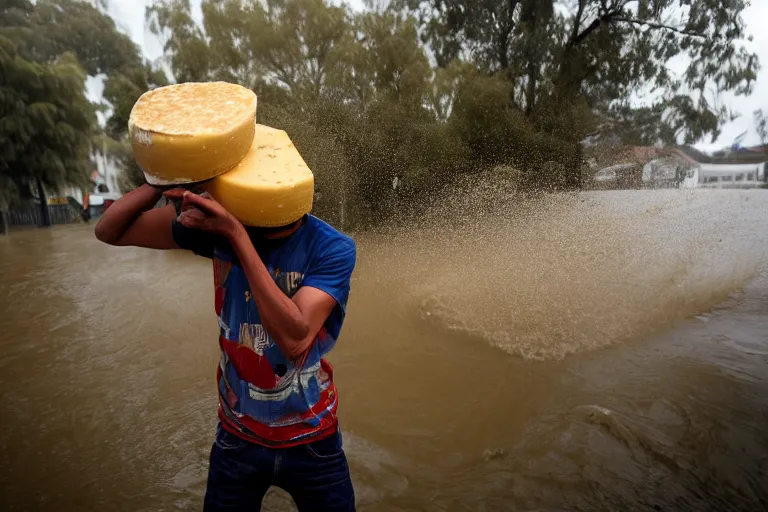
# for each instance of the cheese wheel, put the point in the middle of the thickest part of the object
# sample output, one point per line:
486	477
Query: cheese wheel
191	132
271	187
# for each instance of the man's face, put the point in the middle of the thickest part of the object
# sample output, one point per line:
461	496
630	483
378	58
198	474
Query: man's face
278	232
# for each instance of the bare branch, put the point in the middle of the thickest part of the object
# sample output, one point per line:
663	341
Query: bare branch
659	26
577	19
591	28
606	14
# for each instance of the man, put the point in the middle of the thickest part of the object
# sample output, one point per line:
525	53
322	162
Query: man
280	297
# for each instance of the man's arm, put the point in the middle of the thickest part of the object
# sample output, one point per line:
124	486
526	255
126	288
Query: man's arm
132	220
294	323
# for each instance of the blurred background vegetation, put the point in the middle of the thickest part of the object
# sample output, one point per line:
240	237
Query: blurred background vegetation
387	105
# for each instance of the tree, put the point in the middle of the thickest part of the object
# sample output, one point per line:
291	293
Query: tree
91	34
426	91
604	51
59	26
44	32
293	44
351	90
388	60
45	125
45	119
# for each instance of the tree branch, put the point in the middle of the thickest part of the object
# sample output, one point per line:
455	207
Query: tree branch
658	26
577	19
606	13
591	28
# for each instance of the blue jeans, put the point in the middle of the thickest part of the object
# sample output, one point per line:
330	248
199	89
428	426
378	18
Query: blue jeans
316	475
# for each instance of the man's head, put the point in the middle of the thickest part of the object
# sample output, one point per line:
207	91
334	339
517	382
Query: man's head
178	196
277	232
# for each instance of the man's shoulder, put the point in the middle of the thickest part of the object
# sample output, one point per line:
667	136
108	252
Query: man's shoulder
328	238
330	251
332	261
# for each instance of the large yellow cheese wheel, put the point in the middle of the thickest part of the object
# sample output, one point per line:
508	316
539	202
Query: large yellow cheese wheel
191	132
271	187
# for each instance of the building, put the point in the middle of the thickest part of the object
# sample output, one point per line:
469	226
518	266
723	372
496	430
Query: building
682	166
638	167
104	190
666	172
734	167
727	176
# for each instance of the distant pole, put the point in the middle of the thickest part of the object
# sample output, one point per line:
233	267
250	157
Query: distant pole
45	213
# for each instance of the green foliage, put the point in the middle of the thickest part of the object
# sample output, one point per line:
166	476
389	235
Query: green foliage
75	26
46	51
603	51
48	126
390	105
423	92
45	119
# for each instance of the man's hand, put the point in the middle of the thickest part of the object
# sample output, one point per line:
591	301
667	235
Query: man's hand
204	213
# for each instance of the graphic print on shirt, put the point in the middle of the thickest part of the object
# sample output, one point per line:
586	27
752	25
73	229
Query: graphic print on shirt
254	337
288	282
260	390
262	397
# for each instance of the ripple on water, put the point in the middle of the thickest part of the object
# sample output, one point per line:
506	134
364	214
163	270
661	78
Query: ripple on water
507	360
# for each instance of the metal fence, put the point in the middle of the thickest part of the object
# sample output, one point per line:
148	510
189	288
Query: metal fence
30	215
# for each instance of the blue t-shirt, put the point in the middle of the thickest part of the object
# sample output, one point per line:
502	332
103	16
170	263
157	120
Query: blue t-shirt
263	396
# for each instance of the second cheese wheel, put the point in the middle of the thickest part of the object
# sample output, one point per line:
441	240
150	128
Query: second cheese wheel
191	132
271	187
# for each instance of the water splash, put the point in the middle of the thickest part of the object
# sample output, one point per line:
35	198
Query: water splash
547	276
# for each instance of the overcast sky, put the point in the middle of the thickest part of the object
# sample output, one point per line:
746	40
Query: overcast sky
129	15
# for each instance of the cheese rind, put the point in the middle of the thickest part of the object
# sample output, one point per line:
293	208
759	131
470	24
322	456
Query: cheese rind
191	132
272	186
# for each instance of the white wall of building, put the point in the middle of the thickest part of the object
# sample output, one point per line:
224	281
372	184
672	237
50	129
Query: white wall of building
726	175
108	169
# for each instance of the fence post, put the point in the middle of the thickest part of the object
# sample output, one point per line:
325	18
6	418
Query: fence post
45	213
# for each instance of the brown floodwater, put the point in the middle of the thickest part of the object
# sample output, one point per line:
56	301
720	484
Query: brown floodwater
601	351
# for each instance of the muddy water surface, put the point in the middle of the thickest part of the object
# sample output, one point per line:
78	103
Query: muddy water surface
604	351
